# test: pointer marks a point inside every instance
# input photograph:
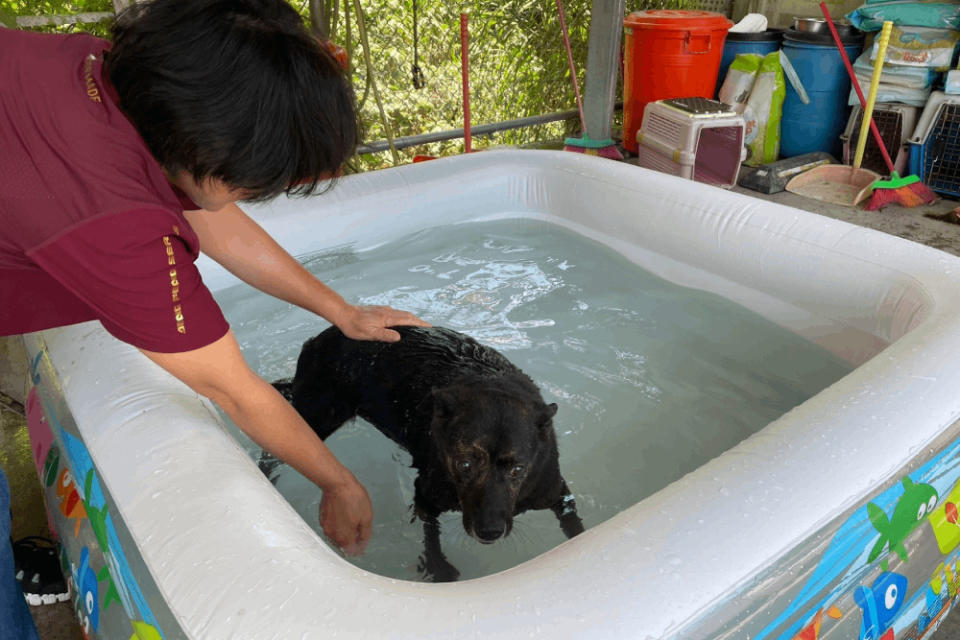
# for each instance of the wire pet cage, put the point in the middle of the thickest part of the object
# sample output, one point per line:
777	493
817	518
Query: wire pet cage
935	146
896	122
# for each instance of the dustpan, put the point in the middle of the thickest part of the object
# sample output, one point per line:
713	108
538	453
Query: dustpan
839	183
836	183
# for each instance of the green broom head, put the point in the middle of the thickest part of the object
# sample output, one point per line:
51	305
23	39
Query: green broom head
895	181
605	148
588	143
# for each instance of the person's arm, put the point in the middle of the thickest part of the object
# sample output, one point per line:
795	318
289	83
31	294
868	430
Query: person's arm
219	372
238	243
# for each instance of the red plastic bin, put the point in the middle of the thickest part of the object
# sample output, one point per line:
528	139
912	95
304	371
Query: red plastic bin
668	54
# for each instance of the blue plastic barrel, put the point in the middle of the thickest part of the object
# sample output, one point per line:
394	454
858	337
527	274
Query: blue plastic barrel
816	126
763	43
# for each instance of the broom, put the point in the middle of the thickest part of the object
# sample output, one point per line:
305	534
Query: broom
907	191
604	148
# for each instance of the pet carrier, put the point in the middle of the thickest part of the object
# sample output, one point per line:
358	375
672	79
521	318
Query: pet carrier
693	138
935	145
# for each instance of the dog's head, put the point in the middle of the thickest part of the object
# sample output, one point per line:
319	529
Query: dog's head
497	444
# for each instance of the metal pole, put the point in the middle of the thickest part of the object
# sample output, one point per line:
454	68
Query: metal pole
603	66
479	130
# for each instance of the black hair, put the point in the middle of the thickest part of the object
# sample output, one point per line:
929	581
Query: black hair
236	90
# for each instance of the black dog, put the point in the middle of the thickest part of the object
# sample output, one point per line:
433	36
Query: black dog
480	434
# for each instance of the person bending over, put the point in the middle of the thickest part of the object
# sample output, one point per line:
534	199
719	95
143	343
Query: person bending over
120	161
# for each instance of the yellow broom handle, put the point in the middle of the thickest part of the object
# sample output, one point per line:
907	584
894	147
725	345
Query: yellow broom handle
872	96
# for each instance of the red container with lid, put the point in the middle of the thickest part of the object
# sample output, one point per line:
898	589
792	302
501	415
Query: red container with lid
668	54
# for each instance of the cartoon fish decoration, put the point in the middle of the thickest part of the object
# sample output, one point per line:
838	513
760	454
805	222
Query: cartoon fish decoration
71	506
880	603
812	630
51	465
88	609
916	503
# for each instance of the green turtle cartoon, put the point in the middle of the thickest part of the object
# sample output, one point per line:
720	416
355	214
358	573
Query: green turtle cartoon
918	501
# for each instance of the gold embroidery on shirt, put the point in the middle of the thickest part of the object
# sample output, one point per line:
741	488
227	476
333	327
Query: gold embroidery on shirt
178	314
92	91
174	285
176	230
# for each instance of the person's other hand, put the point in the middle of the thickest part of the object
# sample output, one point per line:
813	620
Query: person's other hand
346	516
370	322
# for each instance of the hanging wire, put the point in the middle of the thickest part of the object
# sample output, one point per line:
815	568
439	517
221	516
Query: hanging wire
418	82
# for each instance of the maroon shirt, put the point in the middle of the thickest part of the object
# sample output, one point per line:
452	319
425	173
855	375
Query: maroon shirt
90	228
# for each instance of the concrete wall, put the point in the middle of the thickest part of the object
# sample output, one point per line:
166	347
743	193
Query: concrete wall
780	13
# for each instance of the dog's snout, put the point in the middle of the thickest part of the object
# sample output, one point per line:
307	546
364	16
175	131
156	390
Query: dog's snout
490	534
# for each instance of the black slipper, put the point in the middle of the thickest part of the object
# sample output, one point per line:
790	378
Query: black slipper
37	565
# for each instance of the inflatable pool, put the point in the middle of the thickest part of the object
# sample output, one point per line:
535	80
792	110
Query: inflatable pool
837	520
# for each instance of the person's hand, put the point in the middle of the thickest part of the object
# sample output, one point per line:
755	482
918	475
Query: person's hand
370	323
346	516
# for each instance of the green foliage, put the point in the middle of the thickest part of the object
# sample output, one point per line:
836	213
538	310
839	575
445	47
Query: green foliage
518	64
518	67
7	18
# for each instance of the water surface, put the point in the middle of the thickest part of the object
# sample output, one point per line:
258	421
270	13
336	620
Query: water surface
652	379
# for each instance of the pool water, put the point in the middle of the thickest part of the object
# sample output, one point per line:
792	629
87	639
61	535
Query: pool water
652	379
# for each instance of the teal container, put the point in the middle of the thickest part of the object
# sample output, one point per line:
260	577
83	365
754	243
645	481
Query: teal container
761	43
816	126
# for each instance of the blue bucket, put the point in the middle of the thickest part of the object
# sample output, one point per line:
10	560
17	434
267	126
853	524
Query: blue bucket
816	126
762	43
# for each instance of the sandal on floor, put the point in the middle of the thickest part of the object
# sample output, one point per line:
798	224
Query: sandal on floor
37	565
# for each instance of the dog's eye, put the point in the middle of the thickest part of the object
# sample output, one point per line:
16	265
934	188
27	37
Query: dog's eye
516	471
463	465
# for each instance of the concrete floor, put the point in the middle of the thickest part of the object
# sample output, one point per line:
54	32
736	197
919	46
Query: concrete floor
57	622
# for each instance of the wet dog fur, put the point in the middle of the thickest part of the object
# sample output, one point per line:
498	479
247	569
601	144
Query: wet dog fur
480	435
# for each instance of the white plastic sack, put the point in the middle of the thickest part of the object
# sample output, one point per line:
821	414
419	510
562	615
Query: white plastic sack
751	23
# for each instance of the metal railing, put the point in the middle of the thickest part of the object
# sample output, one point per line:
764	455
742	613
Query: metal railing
475	130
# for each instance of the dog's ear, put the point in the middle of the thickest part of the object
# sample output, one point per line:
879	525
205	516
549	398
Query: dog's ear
549	411
544	424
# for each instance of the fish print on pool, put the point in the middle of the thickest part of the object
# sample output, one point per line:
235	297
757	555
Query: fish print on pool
880	604
921	511
108	596
918	501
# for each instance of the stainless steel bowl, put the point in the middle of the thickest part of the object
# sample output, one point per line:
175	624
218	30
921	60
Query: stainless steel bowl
811	25
819	26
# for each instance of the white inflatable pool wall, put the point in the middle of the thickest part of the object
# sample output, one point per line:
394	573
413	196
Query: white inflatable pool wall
233	560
